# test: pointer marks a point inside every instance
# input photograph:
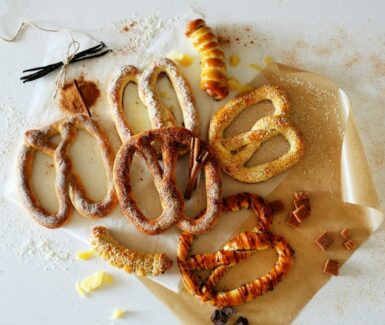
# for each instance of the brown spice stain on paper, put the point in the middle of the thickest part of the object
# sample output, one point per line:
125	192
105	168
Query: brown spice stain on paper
378	65
70	100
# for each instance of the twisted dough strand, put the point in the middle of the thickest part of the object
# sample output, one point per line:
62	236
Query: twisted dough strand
213	74
130	260
239	248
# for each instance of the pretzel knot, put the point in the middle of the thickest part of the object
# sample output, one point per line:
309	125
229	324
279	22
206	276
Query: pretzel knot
69	189
233	153
160	115
237	249
171	141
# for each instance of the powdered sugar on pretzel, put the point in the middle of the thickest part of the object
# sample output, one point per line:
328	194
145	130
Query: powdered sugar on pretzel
171	142
233	153
68	186
160	115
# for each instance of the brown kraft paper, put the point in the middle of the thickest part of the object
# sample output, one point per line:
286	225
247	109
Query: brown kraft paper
334	172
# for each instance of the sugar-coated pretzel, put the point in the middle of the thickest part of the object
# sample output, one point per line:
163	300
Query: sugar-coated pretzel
233	153
120	80
68	186
160	115
131	261
170	141
214	73
237	249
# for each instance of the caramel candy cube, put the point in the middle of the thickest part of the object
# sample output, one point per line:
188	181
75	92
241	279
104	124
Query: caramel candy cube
331	267
349	245
301	198
292	221
277	206
325	240
301	213
345	233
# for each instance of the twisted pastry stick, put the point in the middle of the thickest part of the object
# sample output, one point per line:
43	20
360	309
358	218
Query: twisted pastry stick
68	186
213	74
237	249
127	259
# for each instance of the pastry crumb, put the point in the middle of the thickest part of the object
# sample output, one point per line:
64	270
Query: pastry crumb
181	58
118	313
94	281
234	60
85	255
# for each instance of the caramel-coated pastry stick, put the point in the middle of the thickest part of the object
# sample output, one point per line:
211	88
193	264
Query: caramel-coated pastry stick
214	72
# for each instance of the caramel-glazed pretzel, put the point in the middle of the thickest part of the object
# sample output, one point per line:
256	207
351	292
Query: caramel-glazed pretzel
214	72
160	115
237	249
233	153
129	260
171	141
69	189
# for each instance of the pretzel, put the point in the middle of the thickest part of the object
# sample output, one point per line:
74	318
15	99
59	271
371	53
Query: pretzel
213	74
131	261
233	153
171	141
237	249
119	82
68	186
160	115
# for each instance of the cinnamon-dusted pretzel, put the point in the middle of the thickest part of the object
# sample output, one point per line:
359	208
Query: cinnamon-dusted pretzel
213	74
233	153
171	141
129	260
237	249
160	115
69	188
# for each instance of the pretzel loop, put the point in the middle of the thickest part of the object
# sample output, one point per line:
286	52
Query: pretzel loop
160	115
171	141
237	249
69	189
236	151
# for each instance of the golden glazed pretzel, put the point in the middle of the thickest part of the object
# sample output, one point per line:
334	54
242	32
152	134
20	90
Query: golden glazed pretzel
237	249
171	141
160	115
69	189
213	74
129	260
233	153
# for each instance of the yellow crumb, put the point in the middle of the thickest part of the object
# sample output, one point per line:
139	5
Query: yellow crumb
181	58
93	282
234	84
86	255
234	60
118	313
162	94
79	290
244	88
255	66
268	59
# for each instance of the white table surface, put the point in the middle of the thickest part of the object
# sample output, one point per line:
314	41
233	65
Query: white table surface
345	41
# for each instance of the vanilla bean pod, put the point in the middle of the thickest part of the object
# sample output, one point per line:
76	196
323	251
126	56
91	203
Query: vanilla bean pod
83	55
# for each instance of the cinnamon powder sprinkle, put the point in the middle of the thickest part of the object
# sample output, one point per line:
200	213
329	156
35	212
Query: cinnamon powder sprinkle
70	99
